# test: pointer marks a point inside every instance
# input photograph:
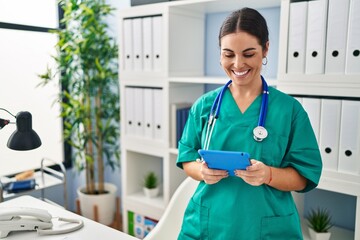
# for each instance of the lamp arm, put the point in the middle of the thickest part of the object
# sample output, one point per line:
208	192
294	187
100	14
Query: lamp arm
8	112
4	122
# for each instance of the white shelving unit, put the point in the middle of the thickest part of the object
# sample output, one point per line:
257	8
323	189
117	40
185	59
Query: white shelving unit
182	78
333	85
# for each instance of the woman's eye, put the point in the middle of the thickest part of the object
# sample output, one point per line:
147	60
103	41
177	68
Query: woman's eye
228	55
248	55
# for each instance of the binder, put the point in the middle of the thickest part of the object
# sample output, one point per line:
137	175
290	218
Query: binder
313	106
137	41
336	36
158	113
157	42
148	113
330	133
147	43
350	138
316	37
297	37
139	111
129	111
353	44
128	45
175	122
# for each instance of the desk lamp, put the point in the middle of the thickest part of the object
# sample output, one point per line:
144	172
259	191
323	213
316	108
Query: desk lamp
24	138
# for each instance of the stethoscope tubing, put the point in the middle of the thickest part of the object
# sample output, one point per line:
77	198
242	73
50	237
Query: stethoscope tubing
215	111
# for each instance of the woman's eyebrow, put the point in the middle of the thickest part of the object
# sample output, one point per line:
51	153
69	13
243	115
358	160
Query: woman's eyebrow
246	50
249	49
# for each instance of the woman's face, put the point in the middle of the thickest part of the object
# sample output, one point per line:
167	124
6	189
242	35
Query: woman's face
241	57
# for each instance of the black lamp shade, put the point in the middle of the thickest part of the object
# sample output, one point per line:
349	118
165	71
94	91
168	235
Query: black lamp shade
24	137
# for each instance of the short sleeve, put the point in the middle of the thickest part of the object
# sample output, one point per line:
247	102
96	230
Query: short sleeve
303	152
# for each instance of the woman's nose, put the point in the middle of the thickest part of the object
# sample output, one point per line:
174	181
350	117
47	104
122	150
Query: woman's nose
238	62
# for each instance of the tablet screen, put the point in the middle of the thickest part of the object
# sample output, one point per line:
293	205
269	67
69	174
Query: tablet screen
225	160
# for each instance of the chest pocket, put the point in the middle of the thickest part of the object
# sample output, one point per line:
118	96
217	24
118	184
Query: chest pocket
273	149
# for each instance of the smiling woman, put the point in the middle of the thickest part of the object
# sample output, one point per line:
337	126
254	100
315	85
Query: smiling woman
276	167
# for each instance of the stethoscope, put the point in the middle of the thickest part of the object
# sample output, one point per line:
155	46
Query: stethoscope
259	132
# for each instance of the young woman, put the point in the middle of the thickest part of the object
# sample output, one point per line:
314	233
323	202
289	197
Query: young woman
256	203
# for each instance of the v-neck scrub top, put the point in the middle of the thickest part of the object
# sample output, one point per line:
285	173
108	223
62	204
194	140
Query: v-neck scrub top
231	208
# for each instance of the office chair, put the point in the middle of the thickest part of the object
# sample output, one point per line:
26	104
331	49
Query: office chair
169	224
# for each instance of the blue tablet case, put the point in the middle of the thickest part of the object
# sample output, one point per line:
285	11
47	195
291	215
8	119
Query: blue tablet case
225	160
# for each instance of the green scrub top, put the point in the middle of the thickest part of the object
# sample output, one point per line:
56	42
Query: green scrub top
231	208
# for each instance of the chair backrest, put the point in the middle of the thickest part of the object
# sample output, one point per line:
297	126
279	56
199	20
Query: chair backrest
169	224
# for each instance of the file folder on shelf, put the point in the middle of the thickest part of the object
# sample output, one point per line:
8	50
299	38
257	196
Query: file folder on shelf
139	111
353	43
130	111
312	106
349	150
178	116
147	43
337	29
137	41
127	45
157	42
330	133
297	37
148	112
316	37
158	113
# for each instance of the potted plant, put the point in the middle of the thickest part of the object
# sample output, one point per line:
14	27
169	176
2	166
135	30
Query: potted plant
87	70
319	222
151	188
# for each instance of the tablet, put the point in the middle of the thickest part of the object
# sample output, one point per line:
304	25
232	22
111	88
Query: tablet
225	160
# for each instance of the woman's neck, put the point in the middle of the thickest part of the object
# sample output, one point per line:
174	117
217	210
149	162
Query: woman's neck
244	95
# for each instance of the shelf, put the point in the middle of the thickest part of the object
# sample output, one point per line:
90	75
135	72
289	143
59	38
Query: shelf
210	80
45	177
322	84
150	207
340	182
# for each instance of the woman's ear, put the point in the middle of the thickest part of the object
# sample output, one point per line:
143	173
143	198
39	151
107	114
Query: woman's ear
266	49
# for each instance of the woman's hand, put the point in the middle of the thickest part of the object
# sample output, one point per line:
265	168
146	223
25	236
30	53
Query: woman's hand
256	174
211	176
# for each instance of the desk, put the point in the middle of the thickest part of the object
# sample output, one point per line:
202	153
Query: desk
91	230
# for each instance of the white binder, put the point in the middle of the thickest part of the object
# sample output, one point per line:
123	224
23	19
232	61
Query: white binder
127	45
316	37
297	37
330	133
148	112
336	36
313	106
353	44
349	151
137	41
158	113
148	43
129	111
157	43
139	111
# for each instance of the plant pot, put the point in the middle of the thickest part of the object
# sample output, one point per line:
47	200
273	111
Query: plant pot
151	192
106	204
319	236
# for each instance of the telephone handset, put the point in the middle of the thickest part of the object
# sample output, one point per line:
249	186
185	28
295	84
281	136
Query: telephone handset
25	219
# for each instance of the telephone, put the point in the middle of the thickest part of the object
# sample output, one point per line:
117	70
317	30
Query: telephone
25	219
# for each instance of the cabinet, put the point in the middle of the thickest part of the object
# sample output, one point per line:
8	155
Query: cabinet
181	77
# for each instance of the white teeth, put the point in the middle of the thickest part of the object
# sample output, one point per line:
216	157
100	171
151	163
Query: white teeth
240	73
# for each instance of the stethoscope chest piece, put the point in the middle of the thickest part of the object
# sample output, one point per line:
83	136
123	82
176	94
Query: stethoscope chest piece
260	133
